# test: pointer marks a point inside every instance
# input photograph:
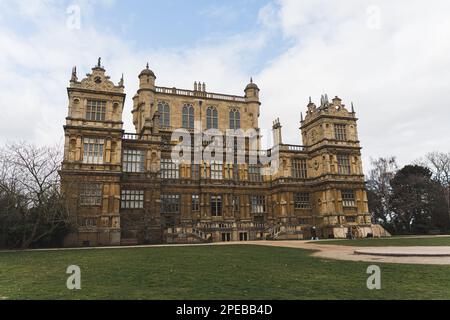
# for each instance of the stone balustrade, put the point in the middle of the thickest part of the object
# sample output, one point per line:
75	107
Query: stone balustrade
200	94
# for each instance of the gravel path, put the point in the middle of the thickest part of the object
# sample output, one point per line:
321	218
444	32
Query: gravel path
348	253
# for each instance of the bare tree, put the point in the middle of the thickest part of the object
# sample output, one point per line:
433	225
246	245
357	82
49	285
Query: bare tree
30	185
379	188
439	163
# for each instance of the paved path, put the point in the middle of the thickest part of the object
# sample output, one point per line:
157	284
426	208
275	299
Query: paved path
327	251
406	251
348	253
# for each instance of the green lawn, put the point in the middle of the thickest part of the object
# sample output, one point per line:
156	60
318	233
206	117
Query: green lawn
394	241
211	272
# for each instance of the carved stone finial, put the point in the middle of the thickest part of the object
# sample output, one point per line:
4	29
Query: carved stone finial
148	67
204	87
353	108
74	77
276	123
99	64
301	116
324	102
251	79
121	82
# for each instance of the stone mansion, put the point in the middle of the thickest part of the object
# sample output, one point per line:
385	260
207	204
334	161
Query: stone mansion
125	188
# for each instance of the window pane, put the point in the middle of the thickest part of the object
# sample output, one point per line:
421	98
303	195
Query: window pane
169	170
90	194
299	169
216	170
133	160
170	203
95	110
258	204
340	132
195	202
254	173
212	118
343	164
132	199
164	114
348	198
302	201
216	206
93	150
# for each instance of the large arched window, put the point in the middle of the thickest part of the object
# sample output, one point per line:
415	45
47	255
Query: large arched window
188	116
235	119
164	114
212	118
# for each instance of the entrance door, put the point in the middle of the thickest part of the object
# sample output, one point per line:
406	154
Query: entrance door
243	236
226	237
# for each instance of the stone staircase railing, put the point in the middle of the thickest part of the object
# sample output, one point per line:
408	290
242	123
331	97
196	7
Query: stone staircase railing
186	232
274	232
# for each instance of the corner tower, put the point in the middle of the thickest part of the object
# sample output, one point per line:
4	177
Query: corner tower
143	101
330	137
92	157
253	103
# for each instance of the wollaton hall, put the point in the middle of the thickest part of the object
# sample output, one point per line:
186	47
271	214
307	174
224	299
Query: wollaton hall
125	188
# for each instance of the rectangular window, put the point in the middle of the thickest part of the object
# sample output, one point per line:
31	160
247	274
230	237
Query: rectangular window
132	199
343	164
133	160
195	205
170	203
95	110
216	170
91	194
299	169
340	132
301	201
350	219
243	236
169	170
93	150
348	198
254	173
195	171
258	204
216	206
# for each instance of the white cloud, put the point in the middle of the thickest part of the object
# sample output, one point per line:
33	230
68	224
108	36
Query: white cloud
397	75
224	13
36	67
268	16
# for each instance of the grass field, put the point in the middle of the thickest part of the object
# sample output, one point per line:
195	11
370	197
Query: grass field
210	272
394	241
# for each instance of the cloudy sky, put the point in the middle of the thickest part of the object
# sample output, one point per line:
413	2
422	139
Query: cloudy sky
391	58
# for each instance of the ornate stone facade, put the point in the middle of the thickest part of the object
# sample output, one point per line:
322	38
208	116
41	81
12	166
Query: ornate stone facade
125	189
